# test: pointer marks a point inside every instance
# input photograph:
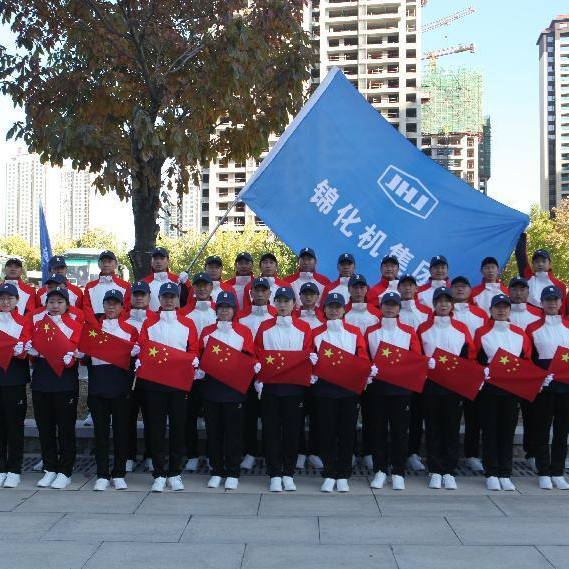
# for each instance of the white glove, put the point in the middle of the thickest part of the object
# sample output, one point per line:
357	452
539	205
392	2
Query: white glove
431	363
199	374
18	348
548	379
135	351
79	355
374	371
486	373
257	368
137	364
30	349
68	357
195	363
183	277
369	380
258	387
313	358
313	379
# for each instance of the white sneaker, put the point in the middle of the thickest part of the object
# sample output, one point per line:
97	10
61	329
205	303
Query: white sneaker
3	478
492	483
397	482
61	481
545	483
558	481
148	465
248	462
192	464
200	424
175	483
449	482
531	462
414	463
300	461
38	466
436	481
231	483
354	460
506	484
129	467
567	463
328	485
368	461
119	484
101	484
159	484
378	480
12	480
88	422
288	484
342	485
474	463
214	482
47	479
315	461
276	484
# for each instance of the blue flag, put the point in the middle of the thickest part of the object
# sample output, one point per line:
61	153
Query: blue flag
45	246
342	179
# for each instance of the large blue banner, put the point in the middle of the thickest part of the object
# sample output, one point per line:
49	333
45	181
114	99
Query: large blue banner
45	246
342	179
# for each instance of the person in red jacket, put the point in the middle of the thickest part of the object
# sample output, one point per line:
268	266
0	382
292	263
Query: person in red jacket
54	281
26	293
58	266
160	275
337	408
223	405
442	406
309	302
214	268
346	268
306	274
95	290
243	275
390	404
268	265
13	380
388	282
439	277
281	404
482	294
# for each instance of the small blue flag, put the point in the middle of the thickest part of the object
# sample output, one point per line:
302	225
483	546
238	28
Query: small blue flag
45	246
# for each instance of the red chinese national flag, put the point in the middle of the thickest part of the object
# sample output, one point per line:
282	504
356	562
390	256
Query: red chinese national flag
401	367
7	344
342	368
165	365
52	343
560	365
282	366
457	374
99	344
228	365
515	375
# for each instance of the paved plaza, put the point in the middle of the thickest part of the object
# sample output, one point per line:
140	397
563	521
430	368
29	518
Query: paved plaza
251	528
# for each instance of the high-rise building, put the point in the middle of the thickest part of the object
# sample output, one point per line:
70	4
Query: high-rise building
74	201
180	216
553	45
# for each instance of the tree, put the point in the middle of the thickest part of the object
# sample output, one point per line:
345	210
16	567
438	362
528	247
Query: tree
137	90
16	245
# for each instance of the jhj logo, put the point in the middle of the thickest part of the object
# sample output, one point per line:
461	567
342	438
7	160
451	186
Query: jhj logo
407	192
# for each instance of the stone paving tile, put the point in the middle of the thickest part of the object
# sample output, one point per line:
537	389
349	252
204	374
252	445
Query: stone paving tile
11	498
440	504
304	485
47	555
542	506
320	505
558	556
30	480
528	485
25	527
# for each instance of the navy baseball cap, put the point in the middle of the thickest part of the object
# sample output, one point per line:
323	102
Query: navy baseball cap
114	294
261	281
307	252
9	288
346	257
438	260
551	291
391	297
169	288
460	279
440	292
201	278
408	277
284	292
335	298
57	261
270	256
309	287
390	259
500	299
214	260
519	281
357	279
140	286
59	291
489	261
14	261
107	255
55	278
226	298
244	256
541	253
160	252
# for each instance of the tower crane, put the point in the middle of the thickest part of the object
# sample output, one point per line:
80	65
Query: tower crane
448	19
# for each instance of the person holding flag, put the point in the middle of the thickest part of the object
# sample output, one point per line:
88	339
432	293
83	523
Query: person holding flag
268	266
389	404
346	266
337	406
223	403
53	281
443	406
160	275
55	388
306	274
166	402
282	403
482	294
243	275
15	331
551	406
438	269
13	269
58	266
389	271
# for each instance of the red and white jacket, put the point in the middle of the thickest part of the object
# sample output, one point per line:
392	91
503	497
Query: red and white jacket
296	280
75	296
202	314
238	283
275	283
155	281
482	294
362	314
425	292
286	333
72	312
342	335
95	292
339	286
119	328
232	333
393	332
17	326
522	315
314	318
376	292
448	334
547	334
501	334
26	295
473	316
413	313
254	316
137	317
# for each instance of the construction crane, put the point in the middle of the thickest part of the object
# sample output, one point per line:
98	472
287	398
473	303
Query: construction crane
432	56
448	20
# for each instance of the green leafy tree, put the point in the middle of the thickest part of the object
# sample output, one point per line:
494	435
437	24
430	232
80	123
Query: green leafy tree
19	247
138	90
